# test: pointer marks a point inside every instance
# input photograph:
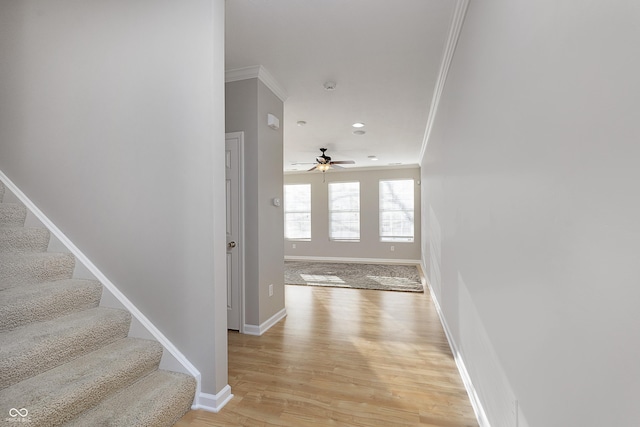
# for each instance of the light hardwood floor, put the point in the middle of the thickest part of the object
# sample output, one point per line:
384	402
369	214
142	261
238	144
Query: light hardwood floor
344	357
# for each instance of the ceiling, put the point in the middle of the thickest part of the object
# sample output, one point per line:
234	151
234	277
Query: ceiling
384	57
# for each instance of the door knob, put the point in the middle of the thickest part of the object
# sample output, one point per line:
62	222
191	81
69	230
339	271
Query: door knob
231	245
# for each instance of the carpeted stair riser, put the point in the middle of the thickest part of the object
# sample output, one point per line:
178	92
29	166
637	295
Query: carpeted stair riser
25	304
37	347
62	393
144	403
12	215
20	239
29	268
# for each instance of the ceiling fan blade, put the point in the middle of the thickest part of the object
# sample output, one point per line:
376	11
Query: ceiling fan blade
313	168
333	165
343	162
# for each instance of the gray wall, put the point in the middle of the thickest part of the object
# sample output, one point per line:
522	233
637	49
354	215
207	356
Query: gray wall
247	103
369	245
531	176
111	122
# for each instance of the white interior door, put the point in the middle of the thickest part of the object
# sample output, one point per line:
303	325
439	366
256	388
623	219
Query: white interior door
234	143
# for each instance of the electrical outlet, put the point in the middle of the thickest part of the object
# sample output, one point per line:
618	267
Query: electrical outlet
393	248
271	290
293	245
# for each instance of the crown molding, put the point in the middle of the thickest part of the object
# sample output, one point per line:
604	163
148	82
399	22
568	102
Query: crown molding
449	49
260	73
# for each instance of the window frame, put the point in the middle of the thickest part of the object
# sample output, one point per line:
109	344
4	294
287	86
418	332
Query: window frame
396	238
331	211
285	212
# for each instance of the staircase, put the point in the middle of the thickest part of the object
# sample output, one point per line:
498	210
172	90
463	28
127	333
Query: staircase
64	360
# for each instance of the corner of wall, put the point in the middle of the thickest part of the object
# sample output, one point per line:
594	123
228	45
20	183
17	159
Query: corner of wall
212	402
266	325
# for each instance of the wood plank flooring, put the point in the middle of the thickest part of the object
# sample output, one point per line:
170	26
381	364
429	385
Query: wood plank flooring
344	357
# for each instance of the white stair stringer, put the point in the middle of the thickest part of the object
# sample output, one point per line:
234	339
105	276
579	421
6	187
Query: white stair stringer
63	357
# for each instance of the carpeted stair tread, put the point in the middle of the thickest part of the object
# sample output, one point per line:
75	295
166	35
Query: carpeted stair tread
21	239
62	393
28	268
157	400
12	214
25	304
31	349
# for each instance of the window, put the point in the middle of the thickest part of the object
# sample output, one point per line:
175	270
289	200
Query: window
344	211
297	211
396	211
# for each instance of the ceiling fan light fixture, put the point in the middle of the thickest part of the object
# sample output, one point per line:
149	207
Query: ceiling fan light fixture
324	163
330	85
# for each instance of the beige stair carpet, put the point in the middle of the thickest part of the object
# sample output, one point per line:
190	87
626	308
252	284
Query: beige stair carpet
64	360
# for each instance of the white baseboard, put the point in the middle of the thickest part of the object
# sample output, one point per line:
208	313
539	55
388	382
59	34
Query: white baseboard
483	421
265	326
352	260
213	403
126	303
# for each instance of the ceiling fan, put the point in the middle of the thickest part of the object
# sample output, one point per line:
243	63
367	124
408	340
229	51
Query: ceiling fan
324	162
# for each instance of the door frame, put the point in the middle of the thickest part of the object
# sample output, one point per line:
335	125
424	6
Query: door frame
241	221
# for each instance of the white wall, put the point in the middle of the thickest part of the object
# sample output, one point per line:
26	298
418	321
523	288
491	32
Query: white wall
112	123
248	102
369	245
531	176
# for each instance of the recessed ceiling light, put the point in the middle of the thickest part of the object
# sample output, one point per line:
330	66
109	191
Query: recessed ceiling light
301	123
359	132
374	158
358	125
